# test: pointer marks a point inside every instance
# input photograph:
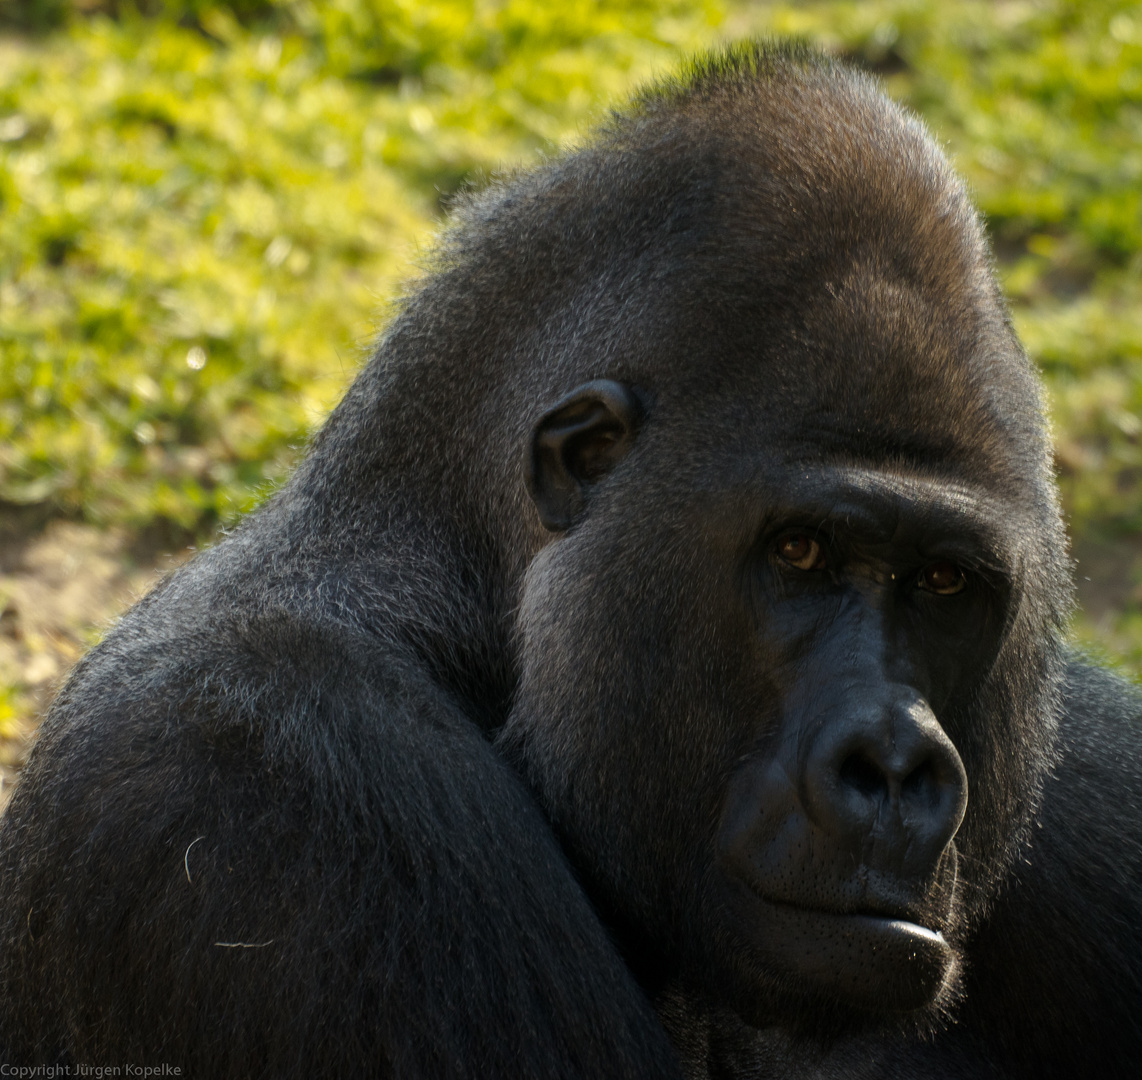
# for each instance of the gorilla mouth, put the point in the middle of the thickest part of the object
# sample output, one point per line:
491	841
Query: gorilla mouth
875	960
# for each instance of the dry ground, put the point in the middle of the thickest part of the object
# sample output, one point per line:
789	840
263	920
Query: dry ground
62	584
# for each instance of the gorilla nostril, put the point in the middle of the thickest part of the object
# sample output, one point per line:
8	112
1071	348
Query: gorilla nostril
860	772
921	786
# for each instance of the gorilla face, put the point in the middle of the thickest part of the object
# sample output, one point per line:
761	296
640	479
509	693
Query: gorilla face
878	601
772	657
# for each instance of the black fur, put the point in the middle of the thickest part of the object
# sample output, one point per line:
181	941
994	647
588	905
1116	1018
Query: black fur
452	760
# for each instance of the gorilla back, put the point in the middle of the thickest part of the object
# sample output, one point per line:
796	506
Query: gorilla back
674	599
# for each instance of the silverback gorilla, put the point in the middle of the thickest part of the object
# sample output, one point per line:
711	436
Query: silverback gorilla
655	666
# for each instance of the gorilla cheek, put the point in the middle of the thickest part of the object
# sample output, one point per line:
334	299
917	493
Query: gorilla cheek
579	704
607	726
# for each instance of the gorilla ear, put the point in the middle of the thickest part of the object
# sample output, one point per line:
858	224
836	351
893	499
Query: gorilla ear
577	443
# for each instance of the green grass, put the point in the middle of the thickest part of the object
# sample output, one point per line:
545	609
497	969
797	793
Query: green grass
204	209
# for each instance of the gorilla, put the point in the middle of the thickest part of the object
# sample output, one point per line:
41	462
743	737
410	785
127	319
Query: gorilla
656	667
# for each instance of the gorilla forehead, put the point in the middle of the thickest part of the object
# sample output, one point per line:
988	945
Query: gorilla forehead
870	387
865	369
776	256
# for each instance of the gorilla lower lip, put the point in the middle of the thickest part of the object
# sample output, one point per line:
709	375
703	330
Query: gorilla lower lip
874	962
891	964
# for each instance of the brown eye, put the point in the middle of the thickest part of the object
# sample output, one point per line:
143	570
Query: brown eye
801	551
943	578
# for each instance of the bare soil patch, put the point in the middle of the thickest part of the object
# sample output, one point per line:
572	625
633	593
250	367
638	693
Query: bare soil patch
62	584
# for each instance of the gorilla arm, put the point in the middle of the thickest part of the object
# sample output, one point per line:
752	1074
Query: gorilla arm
293	855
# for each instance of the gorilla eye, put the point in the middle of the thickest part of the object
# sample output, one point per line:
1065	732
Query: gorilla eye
801	551
943	578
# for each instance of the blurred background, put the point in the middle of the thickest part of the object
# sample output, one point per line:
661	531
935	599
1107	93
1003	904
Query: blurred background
207	209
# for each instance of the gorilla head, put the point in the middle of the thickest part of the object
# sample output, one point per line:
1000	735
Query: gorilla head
710	477
788	648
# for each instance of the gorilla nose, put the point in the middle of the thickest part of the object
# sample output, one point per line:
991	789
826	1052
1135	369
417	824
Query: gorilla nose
890	781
